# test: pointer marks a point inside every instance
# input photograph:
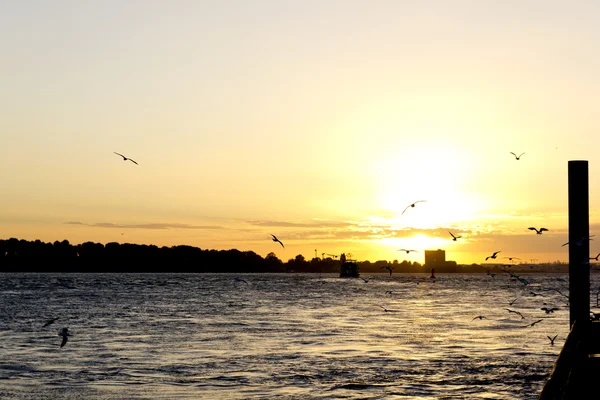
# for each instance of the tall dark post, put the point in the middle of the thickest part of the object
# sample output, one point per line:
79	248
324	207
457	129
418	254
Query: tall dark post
579	245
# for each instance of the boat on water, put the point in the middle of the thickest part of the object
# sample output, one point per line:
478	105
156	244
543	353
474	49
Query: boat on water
349	268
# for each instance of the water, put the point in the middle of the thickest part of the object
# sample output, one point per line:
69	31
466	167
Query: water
278	336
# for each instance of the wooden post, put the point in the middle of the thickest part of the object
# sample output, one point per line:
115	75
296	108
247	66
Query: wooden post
579	245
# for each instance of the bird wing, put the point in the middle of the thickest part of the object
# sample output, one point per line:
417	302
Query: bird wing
543	229
531	228
120	154
407	207
281	244
133	161
64	341
521	154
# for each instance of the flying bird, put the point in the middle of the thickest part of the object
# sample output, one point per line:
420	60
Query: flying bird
549	310
595	258
412	205
518	157
236	279
125	158
387	310
389	269
579	242
533	323
552	339
406	250
510	303
479	317
539	232
515	312
454	237
512	258
277	240
50	322
64	332
493	255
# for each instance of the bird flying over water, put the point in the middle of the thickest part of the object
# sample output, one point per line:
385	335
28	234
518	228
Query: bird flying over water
493	255
479	317
538	231
515	312
549	310
64	332
388	268
50	322
595	258
277	240
454	237
125	158
518	157
552	339
533	323
412	205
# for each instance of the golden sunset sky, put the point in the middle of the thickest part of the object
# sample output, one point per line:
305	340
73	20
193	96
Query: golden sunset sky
316	121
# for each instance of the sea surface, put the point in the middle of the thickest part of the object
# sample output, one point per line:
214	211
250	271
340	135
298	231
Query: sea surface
280	336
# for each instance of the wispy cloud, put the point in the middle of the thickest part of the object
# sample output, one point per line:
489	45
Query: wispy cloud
145	226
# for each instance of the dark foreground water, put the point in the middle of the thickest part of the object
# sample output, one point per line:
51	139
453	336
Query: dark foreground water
282	336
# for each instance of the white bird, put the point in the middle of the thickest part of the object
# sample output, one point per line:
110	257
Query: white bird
64	332
277	240
412	205
538	231
125	158
518	157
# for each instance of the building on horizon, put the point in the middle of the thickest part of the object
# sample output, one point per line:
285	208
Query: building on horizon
437	259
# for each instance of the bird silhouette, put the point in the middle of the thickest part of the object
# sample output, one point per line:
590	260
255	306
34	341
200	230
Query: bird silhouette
412	205
388	268
454	237
406	250
277	240
50	322
64	332
493	255
538	231
518	157
533	323
580	241
552	339
549	310
515	312
595	258
512	258
479	317
125	158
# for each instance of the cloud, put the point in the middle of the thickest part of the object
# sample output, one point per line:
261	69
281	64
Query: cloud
312	224
145	226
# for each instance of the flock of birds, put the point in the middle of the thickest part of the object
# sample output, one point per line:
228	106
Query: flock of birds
64	332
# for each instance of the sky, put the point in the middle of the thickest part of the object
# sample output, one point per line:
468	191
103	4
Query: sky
316	121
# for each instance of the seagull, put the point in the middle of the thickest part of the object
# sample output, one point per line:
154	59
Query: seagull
549	310
580	241
516	312
539	232
277	240
479	317
510	303
64	332
50	322
493	255
552	339
512	258
125	158
364	279
533	323
386	310
389	269
406	250
518	157
412	205
595	258
236	279
454	237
